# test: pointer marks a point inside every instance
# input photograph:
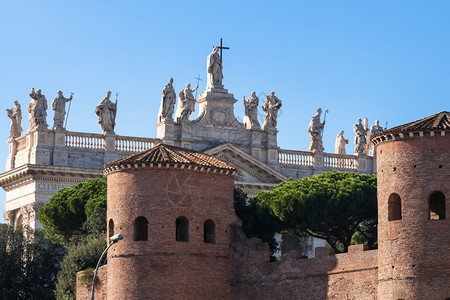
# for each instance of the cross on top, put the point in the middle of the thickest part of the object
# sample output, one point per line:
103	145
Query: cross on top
221	47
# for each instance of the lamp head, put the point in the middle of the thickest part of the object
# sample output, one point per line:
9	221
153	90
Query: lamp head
115	238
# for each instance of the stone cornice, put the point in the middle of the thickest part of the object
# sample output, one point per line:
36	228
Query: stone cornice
28	172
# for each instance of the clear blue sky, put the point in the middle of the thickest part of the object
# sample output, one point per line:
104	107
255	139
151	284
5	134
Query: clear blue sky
386	60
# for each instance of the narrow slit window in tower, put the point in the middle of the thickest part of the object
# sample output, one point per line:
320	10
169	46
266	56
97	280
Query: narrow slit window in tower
394	207
140	229
110	228
182	229
437	206
209	232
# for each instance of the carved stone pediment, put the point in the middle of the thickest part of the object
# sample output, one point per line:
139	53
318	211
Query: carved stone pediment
252	175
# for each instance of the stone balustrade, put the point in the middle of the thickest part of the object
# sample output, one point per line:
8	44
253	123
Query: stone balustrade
308	163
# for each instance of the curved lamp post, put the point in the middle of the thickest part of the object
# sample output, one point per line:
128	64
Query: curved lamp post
114	239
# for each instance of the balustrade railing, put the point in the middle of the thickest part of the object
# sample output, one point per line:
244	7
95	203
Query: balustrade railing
97	142
130	144
296	158
307	159
84	140
339	161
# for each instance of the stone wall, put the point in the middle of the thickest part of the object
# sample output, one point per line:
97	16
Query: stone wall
84	290
351	275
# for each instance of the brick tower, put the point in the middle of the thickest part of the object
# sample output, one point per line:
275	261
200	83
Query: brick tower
413	173
175	207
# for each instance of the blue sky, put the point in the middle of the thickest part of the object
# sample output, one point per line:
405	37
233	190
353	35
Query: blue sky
385	60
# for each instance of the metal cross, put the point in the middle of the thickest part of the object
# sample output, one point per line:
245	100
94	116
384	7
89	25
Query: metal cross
198	81
221	47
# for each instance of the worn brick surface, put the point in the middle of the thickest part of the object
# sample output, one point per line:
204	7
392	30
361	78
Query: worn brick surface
414	252
163	268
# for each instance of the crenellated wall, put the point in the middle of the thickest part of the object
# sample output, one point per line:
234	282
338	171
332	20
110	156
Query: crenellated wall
351	275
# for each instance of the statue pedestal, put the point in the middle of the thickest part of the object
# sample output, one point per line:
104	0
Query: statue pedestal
165	131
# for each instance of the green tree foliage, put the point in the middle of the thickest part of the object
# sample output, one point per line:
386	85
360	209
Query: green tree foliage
66	212
82	255
28	265
334	206
257	220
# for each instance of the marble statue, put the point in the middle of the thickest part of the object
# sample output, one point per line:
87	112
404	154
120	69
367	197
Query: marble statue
251	111
59	106
315	129
360	137
106	111
214	69
186	103
37	109
168	99
15	114
270	108
376	128
339	145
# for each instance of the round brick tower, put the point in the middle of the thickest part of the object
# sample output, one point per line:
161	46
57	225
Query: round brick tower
174	207
413	171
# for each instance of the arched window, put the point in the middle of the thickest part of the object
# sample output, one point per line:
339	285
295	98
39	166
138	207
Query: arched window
394	207
140	229
436	206
182	231
110	228
209	232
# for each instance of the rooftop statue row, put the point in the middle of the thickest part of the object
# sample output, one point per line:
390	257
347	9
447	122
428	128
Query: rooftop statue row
37	113
362	136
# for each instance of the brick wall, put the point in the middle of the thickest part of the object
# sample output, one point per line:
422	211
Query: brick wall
327	276
414	252
161	267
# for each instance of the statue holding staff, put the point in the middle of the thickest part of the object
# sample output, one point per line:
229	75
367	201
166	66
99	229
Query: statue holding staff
315	129
106	111
59	106
186	103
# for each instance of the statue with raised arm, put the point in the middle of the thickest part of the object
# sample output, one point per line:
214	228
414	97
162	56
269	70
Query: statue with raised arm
315	129
15	115
251	111
186	103
339	145
106	111
214	69
360	137
376	128
59	106
37	109
168	99
270	108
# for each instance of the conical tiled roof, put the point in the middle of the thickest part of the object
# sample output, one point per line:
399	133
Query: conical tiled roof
436	122
163	154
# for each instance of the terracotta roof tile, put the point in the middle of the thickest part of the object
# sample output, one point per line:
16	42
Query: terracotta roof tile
167	154
436	122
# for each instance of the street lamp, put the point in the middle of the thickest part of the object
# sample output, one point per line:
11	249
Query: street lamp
114	239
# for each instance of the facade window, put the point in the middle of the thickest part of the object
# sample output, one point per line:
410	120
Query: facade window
209	232
140	229
182	229
110	228
437	206
394	207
